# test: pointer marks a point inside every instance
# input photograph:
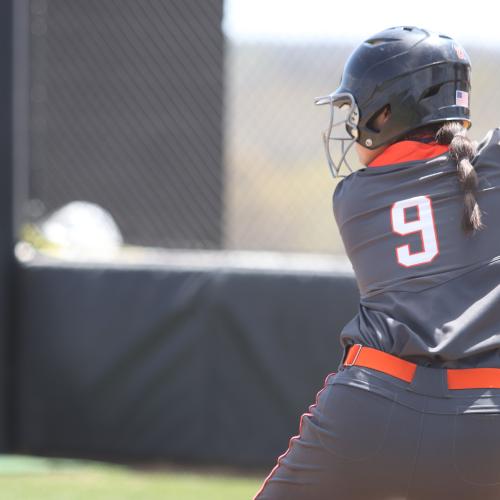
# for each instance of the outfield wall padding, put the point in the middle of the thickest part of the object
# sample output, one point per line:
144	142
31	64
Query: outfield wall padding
211	365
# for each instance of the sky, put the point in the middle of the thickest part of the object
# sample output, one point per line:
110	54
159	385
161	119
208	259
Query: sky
309	20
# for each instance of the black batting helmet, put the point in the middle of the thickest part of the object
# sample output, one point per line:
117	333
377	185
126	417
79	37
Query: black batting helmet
423	77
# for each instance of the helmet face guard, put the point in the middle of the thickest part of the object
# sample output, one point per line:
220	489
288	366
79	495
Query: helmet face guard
343	128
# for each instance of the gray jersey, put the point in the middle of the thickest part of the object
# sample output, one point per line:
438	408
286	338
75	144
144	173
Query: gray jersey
429	293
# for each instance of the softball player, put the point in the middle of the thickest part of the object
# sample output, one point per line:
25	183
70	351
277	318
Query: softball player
413	412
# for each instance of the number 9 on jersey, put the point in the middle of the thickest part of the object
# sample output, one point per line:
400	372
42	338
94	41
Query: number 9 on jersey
423	224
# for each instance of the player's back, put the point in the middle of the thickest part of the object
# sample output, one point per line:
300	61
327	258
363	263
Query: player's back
429	292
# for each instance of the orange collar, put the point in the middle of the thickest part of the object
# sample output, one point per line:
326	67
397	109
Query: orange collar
404	151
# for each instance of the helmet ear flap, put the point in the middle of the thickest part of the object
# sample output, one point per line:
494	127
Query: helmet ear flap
379	118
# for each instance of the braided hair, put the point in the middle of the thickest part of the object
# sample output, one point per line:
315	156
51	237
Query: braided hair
462	150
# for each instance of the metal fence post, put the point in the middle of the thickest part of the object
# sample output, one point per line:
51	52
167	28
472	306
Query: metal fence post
6	215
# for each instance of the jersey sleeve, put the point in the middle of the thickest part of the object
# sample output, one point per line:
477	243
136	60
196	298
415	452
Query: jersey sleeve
488	150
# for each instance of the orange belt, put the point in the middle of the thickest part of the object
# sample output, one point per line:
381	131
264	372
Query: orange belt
464	378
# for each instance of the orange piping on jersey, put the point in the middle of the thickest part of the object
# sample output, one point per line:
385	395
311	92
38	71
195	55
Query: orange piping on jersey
404	151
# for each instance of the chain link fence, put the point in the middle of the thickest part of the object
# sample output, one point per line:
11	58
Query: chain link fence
190	139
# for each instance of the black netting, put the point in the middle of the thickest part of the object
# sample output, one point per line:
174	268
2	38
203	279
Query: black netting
126	103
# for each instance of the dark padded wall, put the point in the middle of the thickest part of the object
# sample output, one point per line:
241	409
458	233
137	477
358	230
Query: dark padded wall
126	112
212	365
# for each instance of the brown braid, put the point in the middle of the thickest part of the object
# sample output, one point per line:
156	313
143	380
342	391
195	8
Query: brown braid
462	149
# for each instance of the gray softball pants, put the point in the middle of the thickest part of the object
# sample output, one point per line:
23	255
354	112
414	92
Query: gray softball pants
371	436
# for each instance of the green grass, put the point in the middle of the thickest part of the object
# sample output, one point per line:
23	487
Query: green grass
25	478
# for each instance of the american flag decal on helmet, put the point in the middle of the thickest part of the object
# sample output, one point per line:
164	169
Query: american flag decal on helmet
462	98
